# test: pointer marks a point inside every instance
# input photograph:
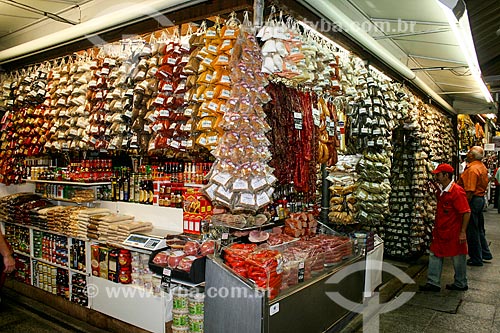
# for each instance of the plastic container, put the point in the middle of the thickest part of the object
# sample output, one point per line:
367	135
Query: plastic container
196	303
180	320
176	329
196	324
180	300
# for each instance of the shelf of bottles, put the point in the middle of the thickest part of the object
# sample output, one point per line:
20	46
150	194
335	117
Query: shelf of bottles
162	185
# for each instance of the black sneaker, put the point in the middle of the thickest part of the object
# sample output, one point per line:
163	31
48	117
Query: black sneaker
429	287
455	287
471	263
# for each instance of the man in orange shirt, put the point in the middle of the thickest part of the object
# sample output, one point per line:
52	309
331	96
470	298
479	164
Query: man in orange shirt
474	181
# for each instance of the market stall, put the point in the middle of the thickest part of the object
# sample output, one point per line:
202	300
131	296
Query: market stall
214	133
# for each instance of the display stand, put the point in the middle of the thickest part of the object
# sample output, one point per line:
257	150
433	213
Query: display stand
232	304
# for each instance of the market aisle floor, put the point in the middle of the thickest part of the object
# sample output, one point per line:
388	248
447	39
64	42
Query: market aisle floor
476	310
19	314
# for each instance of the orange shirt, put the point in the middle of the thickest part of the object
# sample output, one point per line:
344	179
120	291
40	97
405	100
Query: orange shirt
475	178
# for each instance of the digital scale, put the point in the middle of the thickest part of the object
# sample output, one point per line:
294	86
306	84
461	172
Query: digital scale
151	241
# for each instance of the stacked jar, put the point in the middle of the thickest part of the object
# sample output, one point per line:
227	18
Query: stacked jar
45	277
180	310
125	264
196	307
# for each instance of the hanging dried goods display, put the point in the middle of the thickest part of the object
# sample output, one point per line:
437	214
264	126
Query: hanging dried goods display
209	80
297	56
169	123
22	123
289	114
240	178
370	122
466	132
423	137
343	179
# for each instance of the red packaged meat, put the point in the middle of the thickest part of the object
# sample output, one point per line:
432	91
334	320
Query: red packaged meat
175	258
208	247
186	263
265	268
191	248
161	258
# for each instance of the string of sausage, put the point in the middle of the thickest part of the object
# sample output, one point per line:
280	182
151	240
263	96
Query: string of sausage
293	150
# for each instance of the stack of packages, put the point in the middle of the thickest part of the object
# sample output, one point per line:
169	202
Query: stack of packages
10	206
260	265
312	255
118	232
53	216
40	217
65	223
84	220
335	248
99	225
300	224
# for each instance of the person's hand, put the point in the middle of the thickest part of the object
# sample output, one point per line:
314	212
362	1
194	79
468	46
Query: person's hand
10	264
462	237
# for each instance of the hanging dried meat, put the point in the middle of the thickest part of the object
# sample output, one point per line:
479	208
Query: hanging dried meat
290	116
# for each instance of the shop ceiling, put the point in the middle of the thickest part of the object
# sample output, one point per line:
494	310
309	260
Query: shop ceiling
417	33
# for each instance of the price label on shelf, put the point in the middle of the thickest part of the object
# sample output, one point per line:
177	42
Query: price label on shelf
301	271
166	277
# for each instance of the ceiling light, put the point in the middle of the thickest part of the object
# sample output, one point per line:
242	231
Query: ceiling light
462	32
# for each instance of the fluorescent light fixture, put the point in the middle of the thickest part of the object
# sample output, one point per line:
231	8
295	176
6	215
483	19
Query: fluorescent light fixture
88	29
461	30
327	10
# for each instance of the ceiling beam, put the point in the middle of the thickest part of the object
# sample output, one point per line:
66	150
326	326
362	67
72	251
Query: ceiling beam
378	19
418	33
437	59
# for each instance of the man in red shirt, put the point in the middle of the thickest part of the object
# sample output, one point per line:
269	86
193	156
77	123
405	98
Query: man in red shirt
449	233
474	181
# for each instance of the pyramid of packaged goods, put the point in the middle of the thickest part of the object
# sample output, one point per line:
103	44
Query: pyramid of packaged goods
240	178
15	207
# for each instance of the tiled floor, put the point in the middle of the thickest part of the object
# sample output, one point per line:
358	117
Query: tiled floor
476	310
16	318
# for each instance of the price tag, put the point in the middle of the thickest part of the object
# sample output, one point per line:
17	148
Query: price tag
166	278
297	119
225	236
301	271
316	116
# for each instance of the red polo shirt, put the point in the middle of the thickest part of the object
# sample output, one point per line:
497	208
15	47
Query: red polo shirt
452	204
